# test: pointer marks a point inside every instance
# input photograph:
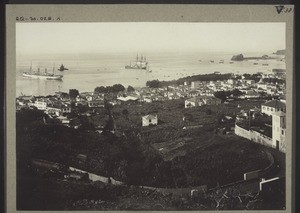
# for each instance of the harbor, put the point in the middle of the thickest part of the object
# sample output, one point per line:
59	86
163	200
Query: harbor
110	69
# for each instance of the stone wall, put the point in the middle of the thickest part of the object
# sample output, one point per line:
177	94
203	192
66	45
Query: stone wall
242	132
253	136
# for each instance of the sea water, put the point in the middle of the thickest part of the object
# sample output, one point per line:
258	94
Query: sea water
86	72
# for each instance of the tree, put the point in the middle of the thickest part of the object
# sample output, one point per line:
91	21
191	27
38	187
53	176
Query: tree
130	89
100	89
153	84
221	95
125	112
236	92
73	93
208	111
110	89
117	88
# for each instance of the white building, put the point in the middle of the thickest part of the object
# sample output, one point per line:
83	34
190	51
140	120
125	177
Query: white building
279	130
149	120
231	81
201	100
40	104
273	106
58	109
196	84
95	103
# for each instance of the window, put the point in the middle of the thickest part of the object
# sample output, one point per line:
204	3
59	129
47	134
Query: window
282	132
149	120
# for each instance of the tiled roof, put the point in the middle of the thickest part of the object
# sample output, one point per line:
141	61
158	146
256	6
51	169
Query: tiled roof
275	104
150	116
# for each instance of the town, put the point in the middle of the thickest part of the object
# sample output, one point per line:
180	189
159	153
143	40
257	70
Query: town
171	120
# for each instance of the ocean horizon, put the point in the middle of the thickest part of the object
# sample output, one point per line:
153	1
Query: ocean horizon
88	71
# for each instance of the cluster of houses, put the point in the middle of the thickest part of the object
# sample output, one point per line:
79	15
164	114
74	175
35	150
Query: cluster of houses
276	109
55	105
59	105
205	89
249	88
195	93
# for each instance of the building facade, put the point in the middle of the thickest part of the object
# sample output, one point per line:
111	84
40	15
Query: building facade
273	106
149	120
202	100
279	130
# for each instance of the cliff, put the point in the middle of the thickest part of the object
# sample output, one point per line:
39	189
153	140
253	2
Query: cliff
280	52
239	57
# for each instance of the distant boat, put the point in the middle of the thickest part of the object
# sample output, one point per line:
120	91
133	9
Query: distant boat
140	63
148	69
255	63
62	68
212	61
231	62
42	75
265	64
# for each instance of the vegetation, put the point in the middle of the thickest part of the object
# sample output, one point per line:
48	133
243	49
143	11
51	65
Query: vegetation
110	89
190	157
274	80
73	93
130	89
180	81
154	84
223	95
132	155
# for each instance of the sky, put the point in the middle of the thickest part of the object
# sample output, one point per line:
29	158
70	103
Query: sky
113	37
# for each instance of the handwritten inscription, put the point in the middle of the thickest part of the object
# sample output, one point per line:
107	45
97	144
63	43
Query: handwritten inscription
42	18
284	9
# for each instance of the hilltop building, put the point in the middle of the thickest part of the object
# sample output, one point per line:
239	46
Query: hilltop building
273	106
279	130
149	120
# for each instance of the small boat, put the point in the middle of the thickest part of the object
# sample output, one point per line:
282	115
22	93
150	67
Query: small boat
255	63
148	69
212	61
62	68
265	64
231	62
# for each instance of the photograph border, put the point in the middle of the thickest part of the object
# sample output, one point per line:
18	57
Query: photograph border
144	13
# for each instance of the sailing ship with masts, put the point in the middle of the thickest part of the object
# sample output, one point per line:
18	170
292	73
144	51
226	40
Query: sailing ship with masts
140	63
42	75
